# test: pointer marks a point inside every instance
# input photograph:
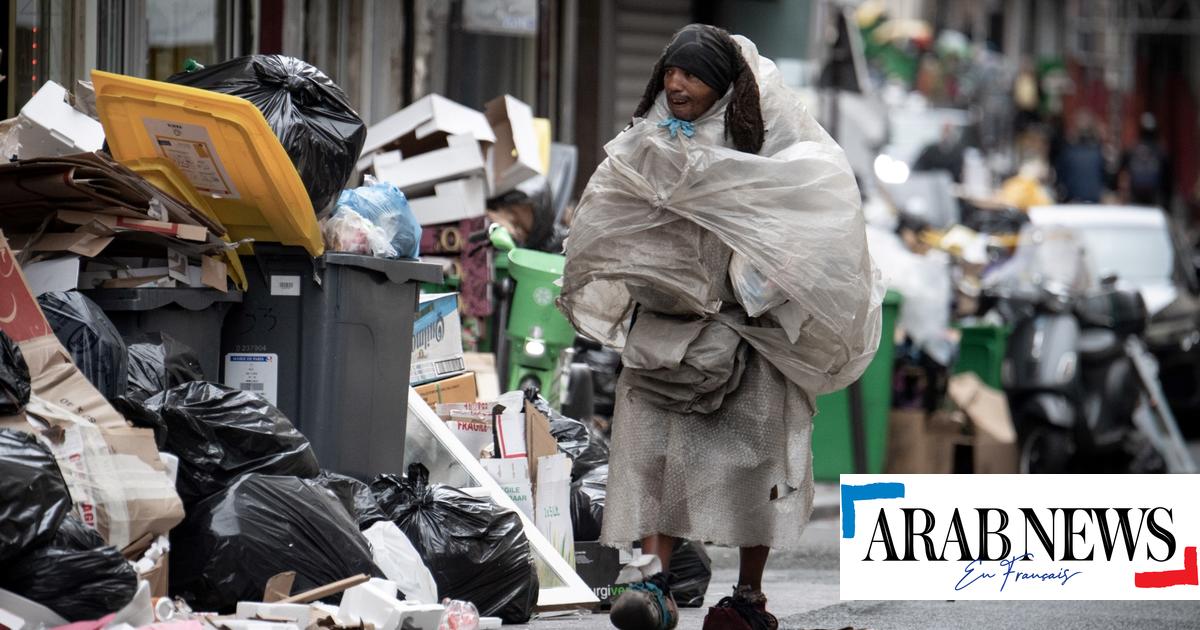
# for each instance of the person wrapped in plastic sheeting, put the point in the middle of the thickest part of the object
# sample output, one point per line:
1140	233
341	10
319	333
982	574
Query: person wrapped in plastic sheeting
721	247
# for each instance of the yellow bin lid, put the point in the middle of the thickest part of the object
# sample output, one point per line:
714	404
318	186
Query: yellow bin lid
163	175
221	144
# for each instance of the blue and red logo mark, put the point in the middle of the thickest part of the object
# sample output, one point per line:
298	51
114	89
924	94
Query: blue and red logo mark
1156	520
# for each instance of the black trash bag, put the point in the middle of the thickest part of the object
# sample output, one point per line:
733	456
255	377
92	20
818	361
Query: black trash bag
231	543
605	363
583	521
691	571
14	377
221	433
310	115
354	495
476	550
584	445
594	484
96	347
78	584
158	362
143	417
33	495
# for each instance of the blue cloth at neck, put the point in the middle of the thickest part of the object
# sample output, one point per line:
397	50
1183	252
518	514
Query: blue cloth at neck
676	126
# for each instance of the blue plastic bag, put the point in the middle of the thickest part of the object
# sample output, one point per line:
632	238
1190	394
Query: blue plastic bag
386	206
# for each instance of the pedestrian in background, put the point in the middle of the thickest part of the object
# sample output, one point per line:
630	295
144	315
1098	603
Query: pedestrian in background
1145	167
1080	166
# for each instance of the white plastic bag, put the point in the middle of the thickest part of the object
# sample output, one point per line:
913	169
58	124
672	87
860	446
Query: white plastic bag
756	293
348	231
396	556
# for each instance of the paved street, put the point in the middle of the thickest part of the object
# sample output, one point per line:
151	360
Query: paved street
803	587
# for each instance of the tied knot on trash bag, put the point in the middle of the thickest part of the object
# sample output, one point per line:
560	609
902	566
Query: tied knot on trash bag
308	112
476	550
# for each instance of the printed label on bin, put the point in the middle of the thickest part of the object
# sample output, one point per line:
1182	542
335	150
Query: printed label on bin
254	373
285	285
191	149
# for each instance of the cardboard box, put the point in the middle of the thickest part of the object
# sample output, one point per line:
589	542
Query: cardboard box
487	383
598	566
49	126
456	389
437	350
425	124
514	157
419	174
994	438
454	200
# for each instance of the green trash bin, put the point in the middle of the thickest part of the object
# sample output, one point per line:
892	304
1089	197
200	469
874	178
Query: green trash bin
834	427
981	350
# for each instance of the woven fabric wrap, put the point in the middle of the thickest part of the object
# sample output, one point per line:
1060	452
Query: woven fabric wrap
790	219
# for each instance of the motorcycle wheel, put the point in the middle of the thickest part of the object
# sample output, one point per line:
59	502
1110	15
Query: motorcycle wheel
1045	450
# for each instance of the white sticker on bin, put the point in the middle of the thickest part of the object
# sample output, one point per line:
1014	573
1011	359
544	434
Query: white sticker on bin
285	285
254	373
192	150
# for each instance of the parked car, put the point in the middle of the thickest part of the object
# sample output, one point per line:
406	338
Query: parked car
1143	249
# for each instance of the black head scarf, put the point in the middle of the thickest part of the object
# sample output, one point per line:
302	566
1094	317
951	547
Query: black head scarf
697	49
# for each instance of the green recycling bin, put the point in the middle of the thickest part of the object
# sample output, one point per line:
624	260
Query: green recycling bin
981	350
861	409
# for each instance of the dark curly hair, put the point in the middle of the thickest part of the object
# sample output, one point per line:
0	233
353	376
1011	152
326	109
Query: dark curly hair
743	115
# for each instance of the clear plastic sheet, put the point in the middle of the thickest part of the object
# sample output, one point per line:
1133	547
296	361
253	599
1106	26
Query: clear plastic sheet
792	211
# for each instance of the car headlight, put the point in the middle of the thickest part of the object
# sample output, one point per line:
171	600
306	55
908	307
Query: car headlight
889	170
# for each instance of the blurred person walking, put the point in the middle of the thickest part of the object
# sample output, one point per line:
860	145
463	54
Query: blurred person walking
1145	167
1080	166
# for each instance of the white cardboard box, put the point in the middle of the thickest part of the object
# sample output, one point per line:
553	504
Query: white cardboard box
49	126
425	121
419	174
437	350
454	200
514	157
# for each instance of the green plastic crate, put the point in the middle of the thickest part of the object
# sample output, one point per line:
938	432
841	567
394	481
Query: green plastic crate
833	436
981	350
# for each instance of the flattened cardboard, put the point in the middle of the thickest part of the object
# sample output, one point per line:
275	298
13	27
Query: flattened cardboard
539	442
120	224
56	274
514	157
213	273
84	243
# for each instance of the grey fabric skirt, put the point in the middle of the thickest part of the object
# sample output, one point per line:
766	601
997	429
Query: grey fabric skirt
711	477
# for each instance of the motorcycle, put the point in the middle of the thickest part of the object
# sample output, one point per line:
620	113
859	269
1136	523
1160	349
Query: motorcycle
1082	386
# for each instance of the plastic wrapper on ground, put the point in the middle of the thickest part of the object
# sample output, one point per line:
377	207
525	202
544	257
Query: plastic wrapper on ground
400	562
95	346
233	542
220	433
33	495
309	113
476	550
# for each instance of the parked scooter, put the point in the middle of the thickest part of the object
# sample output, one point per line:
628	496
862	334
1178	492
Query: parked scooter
1082	387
